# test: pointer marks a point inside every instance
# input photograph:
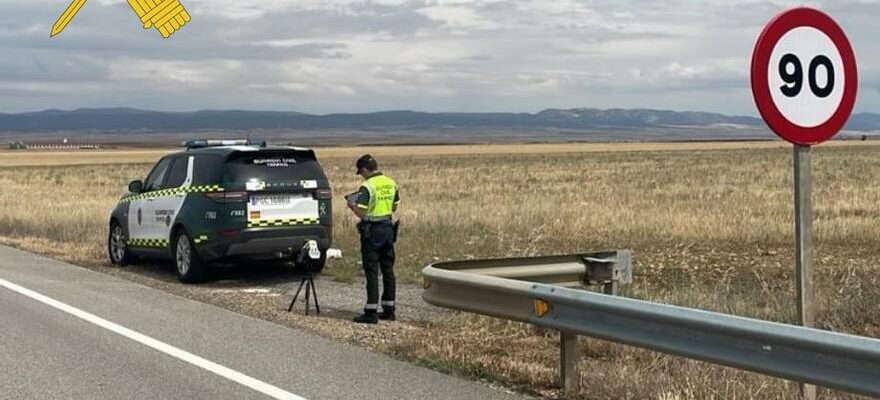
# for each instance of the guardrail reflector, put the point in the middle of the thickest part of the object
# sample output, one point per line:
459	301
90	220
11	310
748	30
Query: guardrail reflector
541	308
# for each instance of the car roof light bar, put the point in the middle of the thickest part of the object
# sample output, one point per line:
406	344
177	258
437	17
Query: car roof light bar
201	143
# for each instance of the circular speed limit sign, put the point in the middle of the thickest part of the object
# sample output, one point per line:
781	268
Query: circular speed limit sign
804	76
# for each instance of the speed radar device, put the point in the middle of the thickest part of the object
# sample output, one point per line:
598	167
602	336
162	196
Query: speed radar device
308	256
225	201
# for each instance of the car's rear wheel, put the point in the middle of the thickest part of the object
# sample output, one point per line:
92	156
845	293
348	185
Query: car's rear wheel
117	247
190	267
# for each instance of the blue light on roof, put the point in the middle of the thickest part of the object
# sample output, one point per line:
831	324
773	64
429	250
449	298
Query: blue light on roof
202	143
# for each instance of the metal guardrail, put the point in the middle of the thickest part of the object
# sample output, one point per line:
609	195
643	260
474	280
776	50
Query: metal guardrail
539	291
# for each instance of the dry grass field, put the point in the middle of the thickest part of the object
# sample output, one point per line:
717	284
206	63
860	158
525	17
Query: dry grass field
710	226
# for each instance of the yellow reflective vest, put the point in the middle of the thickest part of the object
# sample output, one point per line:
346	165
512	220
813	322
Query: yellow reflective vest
382	197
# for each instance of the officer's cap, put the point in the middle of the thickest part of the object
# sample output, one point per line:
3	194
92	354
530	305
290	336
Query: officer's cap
366	162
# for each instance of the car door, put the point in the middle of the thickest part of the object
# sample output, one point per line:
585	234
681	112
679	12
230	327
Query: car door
142	210
166	206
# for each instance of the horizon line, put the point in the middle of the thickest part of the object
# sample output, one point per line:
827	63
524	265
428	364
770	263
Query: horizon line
378	111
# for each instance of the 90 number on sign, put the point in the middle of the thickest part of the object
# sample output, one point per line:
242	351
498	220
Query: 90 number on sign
806	76
792	74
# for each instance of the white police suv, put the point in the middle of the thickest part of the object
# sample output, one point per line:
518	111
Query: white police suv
224	200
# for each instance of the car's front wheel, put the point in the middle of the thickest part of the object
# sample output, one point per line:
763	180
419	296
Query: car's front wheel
190	267
117	248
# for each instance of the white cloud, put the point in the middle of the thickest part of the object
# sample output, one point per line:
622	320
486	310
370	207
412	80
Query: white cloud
458	16
172	75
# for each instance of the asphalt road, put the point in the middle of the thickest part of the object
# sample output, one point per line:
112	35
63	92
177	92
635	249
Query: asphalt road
71	333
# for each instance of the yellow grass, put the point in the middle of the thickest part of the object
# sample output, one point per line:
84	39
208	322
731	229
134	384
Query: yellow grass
710	225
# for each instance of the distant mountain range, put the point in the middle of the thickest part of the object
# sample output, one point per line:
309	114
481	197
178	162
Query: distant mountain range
578	119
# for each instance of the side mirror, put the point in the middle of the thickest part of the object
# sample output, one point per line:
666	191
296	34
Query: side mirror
136	187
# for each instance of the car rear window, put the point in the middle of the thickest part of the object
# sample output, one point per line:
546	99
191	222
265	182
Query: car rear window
272	166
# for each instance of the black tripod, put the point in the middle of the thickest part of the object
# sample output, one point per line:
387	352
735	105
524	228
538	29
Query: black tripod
308	281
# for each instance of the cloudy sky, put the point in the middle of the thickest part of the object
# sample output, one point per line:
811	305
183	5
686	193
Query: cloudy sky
431	55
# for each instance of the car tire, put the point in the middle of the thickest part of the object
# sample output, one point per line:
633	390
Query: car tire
189	266
117	246
317	266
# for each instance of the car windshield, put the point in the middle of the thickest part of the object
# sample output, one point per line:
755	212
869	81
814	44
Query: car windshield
272	166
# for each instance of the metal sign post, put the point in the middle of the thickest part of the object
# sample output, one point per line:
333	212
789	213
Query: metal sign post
804	81
803	227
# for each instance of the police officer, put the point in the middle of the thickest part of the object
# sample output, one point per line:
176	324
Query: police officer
374	204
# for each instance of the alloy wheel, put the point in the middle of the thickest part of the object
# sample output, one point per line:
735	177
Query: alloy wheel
183	255
117	244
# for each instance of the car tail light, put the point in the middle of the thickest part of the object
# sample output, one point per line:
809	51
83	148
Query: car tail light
229	233
228	197
323	194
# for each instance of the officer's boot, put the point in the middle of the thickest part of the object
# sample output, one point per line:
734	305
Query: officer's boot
387	314
368	317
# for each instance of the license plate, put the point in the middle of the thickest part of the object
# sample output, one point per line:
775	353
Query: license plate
271	200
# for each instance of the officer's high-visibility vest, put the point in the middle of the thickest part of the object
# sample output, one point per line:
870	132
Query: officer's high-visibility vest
383	192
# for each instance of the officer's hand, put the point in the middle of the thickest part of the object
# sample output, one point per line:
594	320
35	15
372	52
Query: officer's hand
351	200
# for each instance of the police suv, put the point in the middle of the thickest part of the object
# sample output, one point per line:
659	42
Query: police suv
221	200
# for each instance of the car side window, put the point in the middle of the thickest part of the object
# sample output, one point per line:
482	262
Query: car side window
177	173
154	180
207	170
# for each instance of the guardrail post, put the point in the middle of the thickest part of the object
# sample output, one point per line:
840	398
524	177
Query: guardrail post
569	356
610	288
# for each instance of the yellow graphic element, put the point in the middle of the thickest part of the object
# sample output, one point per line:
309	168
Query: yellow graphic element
167	16
67	16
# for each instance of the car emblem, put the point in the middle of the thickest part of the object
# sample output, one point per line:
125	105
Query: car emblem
323	208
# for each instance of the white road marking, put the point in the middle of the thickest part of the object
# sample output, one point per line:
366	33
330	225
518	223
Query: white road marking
235	376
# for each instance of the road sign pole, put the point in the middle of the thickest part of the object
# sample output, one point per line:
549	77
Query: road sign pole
803	226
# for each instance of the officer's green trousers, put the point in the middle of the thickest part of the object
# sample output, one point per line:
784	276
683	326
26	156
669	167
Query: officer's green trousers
377	252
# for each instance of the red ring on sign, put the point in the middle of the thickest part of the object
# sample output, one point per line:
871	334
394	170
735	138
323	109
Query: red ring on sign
778	27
